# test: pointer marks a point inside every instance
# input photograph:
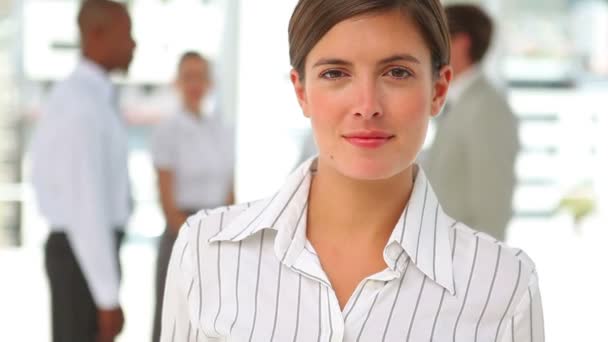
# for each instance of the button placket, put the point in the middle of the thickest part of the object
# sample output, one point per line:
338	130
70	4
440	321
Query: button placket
336	317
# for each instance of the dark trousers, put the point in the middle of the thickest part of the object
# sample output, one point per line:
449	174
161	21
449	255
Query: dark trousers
164	254
74	313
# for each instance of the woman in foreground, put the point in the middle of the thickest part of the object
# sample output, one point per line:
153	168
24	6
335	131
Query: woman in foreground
354	246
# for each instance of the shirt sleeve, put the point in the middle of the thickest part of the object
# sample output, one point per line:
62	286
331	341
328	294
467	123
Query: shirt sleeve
163	149
88	228
527	322
181	293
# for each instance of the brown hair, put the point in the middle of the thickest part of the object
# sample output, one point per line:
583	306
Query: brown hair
312	19
475	23
195	56
190	54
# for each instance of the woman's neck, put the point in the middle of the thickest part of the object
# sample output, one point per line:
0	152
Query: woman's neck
345	207
193	110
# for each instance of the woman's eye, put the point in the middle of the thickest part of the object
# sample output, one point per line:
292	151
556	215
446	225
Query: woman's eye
332	74
399	73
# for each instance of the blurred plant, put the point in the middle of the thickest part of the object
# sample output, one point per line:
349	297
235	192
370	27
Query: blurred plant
579	202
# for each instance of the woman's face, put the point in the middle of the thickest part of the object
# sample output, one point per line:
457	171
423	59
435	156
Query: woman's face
193	81
369	91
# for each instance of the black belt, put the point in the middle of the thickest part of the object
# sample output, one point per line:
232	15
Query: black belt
60	237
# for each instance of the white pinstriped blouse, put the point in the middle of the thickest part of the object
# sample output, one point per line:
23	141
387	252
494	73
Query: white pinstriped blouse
248	273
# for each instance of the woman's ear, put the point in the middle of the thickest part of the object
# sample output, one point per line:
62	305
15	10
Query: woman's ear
441	84
298	86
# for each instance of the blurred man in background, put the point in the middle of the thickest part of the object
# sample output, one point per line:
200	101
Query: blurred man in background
79	158
471	161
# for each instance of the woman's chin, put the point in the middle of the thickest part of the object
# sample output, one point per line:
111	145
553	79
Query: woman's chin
370	169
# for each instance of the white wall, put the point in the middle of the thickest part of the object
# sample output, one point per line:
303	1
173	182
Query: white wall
269	122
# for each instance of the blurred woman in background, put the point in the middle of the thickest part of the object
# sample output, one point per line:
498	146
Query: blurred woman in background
193	157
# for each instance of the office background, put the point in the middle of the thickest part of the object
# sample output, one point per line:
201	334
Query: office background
551	56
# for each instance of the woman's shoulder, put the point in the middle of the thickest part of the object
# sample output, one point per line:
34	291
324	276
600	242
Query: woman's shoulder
485	249
165	128
167	122
208	223
208	228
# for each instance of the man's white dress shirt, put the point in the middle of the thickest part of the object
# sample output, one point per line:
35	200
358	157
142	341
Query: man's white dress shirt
199	151
248	273
79	160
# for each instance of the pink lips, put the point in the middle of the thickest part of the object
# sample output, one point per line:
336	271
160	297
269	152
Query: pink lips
368	139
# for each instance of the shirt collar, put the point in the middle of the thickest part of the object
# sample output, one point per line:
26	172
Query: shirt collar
422	231
460	84
282	210
97	77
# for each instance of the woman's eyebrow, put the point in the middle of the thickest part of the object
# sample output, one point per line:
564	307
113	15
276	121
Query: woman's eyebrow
400	58
332	61
395	58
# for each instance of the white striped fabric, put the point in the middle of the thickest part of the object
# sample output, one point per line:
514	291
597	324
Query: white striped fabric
248	273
